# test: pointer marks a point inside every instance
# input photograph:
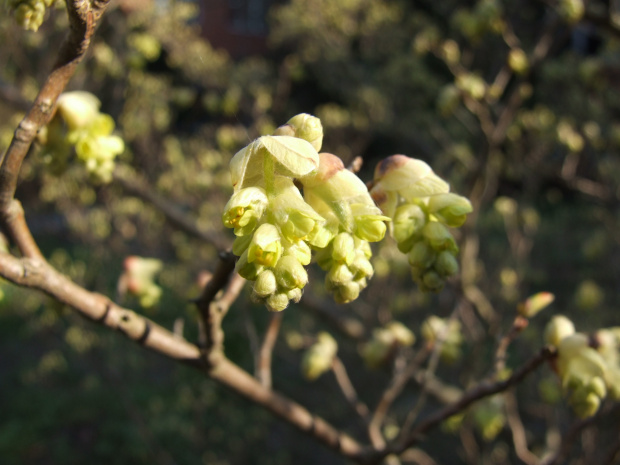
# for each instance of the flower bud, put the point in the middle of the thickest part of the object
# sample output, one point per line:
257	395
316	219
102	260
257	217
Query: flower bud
422	255
244	209
338	275
439	237
450	209
433	281
79	109
265	284
277	302
409	219
446	264
301	251
347	292
343	248
309	128
379	349
361	267
290	274
266	247
557	329
401	333
294	295
246	269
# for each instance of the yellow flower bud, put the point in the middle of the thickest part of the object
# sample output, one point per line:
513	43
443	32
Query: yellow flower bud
343	248
290	274
319	357
244	209
450	209
557	329
403	335
265	284
409	219
277	302
266	247
309	128
79	109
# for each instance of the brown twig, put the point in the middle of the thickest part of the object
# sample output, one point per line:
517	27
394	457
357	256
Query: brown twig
396	386
568	441
139	187
515	424
83	16
482	390
518	325
263	373
346	386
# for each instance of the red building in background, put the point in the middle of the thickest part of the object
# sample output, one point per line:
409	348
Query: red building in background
238	26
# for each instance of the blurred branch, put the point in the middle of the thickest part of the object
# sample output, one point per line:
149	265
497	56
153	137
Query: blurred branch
83	17
266	350
350	327
518	325
38	275
139	187
515	424
396	386
568	441
342	378
482	390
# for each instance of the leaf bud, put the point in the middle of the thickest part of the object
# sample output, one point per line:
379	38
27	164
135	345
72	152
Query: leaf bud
535	303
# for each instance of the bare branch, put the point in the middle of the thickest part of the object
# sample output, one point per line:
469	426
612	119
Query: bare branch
139	187
346	386
519	438
83	18
264	356
484	389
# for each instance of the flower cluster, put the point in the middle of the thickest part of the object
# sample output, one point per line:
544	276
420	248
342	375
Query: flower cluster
589	369
352	221
448	331
79	123
30	14
319	357
384	343
277	227
421	208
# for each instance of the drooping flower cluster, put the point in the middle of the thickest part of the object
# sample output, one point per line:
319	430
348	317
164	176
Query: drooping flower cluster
276	226
422	209
384	343
79	123
448	331
352	221
588	369
319	357
30	14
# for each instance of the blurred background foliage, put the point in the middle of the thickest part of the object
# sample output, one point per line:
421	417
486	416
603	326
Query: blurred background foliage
515	103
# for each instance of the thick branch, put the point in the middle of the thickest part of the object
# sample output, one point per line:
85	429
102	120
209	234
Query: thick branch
41	276
82	17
